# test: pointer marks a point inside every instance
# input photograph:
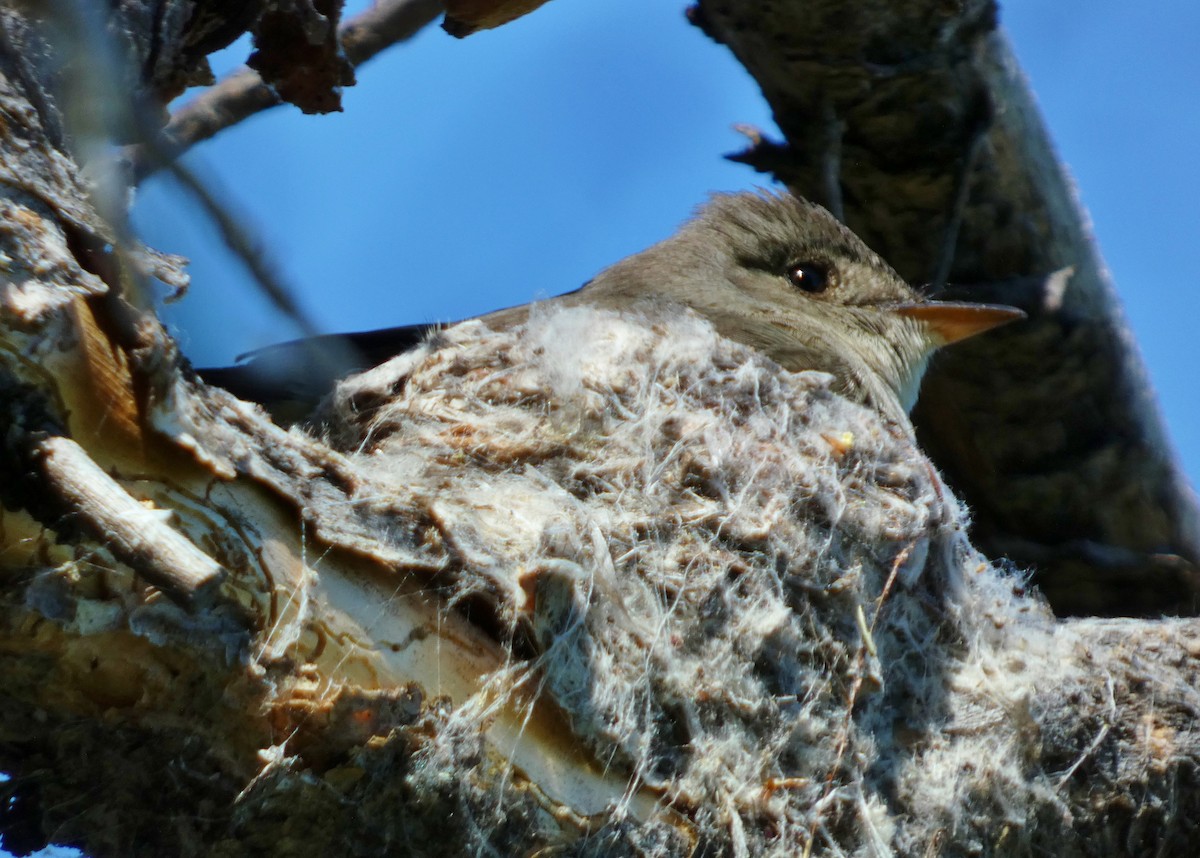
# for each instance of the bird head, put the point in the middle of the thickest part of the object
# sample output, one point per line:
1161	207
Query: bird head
783	275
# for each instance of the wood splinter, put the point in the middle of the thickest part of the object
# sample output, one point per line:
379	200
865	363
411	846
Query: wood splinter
139	536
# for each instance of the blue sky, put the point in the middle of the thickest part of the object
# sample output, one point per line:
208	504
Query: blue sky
466	176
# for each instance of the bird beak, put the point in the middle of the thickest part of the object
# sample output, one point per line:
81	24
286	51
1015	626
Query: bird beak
952	321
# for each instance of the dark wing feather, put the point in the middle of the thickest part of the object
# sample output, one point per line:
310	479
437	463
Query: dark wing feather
291	378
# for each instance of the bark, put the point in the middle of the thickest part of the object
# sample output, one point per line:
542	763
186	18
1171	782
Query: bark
651	595
464	17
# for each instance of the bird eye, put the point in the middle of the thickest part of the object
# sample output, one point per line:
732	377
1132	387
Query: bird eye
809	276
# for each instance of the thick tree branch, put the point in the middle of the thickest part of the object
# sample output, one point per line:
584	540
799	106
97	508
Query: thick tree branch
644	595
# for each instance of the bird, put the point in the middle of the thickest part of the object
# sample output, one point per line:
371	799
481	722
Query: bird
771	270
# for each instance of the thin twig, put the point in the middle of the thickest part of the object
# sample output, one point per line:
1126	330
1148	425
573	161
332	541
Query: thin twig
244	94
240	239
833	129
962	188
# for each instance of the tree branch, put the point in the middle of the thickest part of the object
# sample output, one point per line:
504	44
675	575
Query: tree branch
243	94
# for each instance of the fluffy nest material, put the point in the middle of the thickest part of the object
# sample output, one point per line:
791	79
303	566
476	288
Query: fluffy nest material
747	594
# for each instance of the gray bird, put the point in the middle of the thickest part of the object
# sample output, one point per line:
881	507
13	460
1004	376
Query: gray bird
773	271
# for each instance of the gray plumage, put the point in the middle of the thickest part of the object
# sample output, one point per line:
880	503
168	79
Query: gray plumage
773	271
